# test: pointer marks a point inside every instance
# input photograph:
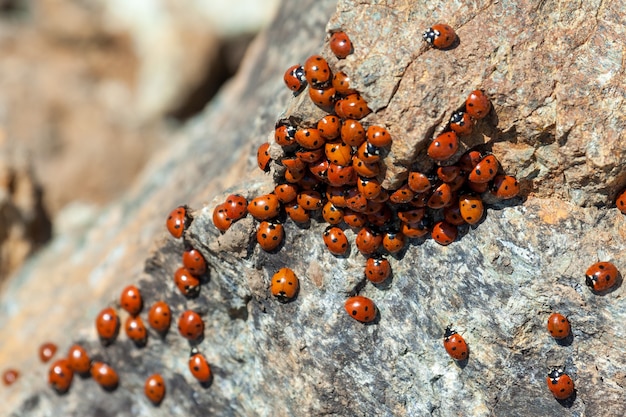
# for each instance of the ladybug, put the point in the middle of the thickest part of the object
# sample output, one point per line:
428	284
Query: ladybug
340	175
186	282
332	214
310	155
220	219
377	270
309	138
78	360
104	375
160	316
485	170
285	285
294	176
354	219
136	330
461	123
10	376
337	196
402	195
339	153
194	262
620	201
270	235
329	127
47	351
393	242
236	206
107	325
352	133
190	325
317	71
341	83
361	308
378	136
294	78
477	104
421	200
178	221
336	241
60	376
369	187
286	192
340	44
293	164
354	107
452	214
505	187
369	153
323	97
558	326
356	201
264	207
154	388
263	157
320	169
560	384
414	230
444	233
285	135
199	367
440	36
297	213
601	276
448	173
471	208
411	216
309	200
378	216
365	169
469	160
368	241
309	181
457	183
418	182
130	300
455	345
441	196
444	146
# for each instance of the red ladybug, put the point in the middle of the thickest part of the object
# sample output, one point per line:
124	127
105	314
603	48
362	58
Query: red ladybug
361	308
340	175
443	147
620	201
341	82
369	153
455	345
130	300
78	360
505	187
263	157
194	262
220	219
352	133
329	127
469	160
317	71
286	192
60	376
297	213
477	187
10	376
310	155
452	214
107	325
449	173
339	153
309	200
414	230
356	201
558	326
154	388
178	221
394	242
477	104
285	284
236	206
485	170
336	241
104	375
461	123
601	276
441	196
322	97
444	233
270	235
378	136
402	195
160	316
136	330
354	107
332	214
190	325
354	219
418	182
441	36
309	138
370	188
365	169
471	208
264	207
411	216
560	384
199	367
294	78
377	270
368	241
285	135
47	351
340	44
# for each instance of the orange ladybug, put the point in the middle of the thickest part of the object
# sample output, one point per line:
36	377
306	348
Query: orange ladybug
160	316
285	284
47	351
560	384
199	367
130	300
104	375
444	146
60	376
361	308
154	388
107	325
477	104
455	345
558	326
601	276
78	360
440	36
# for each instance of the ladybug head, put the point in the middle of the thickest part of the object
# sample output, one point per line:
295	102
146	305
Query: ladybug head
555	374
430	35
590	280
457	117
449	332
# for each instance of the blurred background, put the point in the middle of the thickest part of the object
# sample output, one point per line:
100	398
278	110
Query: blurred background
90	89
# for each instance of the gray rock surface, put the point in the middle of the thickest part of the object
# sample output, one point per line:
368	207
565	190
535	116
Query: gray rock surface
496	284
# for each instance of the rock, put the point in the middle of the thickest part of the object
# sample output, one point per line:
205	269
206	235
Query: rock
497	284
